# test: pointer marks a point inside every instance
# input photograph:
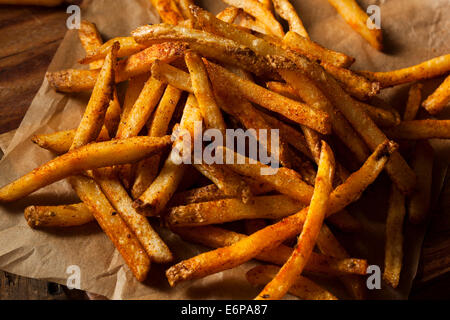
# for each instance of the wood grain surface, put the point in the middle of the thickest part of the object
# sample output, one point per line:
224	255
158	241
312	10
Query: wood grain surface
29	37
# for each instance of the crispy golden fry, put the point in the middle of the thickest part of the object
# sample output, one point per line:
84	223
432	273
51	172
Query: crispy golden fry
112	224
272	236
73	80
413	104
285	9
294	110
184	7
251	24
420	129
45	3
358	20
425	70
91	40
267	4
382	116
260	12
436	102
128	47
216	237
71	215
58	142
156	197
203	92
147	169
226	210
329	245
419	201
229	14
206	44
168	11
135	86
155	247
315	51
301	287
287	275
173	76
95	155
112	116
394	238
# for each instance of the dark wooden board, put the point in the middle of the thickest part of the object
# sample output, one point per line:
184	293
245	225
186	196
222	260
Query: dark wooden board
29	37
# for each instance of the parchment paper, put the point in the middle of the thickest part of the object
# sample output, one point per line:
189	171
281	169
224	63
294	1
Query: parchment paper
415	30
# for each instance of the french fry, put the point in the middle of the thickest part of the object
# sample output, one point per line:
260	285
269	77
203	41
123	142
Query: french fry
184	8
156	197
425	70
251	24
413	103
359	21
382	116
272	236
285	9
301	287
288	274
58	216
419	201
229	14
394	238
168	11
45	3
315	51
58	142
134	89
173	76
420	129
216	237
91	40
227	210
112	116
73	80
95	155
440	98
344	222
203	92
260	12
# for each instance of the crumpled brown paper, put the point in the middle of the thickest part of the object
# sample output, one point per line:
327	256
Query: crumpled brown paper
415	30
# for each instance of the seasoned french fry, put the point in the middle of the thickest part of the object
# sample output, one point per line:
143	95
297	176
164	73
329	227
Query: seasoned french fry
73	80
95	155
216	237
285	9
288	274
91	40
168	11
394	238
251	24
419	201
58	216
344	222
260	12
226	210
112	116
184	7
134	89
173	76
359	21
425	70
436	102
58	142
413	104
420	129
229	14
301	287
272	236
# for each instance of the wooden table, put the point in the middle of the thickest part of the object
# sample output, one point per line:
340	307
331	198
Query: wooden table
29	37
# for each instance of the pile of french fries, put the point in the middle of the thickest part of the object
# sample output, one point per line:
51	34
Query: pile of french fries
239	69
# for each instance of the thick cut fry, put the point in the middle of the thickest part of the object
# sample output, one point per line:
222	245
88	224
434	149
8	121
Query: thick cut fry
436	102
285	9
301	287
359	21
420	129
156	197
288	274
394	238
58	216
260	12
419	201
134	89
216	237
413	103
294	110
73	80
147	169
128	47
315	51
45	3
272	236
173	76
112	224
91	40
203	92
155	247
168	11
58	142
226	210
425	70
96	155
228	15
